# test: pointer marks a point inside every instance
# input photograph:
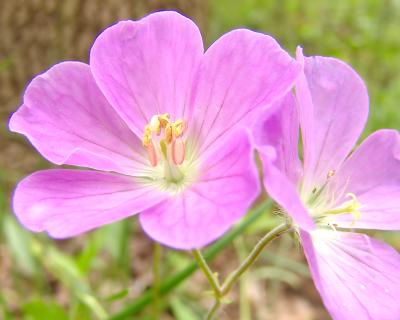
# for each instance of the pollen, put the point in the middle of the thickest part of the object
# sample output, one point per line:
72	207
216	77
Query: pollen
163	139
147	136
331	173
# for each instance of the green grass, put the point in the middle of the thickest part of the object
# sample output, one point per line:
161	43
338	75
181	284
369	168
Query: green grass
364	33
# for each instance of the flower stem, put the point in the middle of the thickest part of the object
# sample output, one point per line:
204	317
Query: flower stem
213	311
171	283
252	257
221	291
244	305
156	280
201	262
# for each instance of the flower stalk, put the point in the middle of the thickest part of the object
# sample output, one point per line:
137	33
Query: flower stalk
220	291
211	277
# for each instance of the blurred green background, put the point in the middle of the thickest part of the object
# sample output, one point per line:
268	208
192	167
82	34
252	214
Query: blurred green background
98	274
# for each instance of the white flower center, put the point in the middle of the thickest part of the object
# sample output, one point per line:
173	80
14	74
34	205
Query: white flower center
172	167
323	206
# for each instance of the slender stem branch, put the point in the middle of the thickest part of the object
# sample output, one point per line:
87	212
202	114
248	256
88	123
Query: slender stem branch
244	306
222	291
213	311
171	283
252	257
202	263
156	280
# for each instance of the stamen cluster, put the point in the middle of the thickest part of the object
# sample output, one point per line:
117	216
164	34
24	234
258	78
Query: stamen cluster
171	132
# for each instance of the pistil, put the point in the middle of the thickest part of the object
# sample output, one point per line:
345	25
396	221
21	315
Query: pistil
352	206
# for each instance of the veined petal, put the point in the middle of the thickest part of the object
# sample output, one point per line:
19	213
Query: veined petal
240	74
284	191
227	186
66	203
372	174
146	67
334	121
354	274
66	117
305	110
279	130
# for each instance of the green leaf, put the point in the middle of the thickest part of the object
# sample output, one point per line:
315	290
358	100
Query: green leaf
275	273
92	247
20	243
117	240
42	310
67	271
118	296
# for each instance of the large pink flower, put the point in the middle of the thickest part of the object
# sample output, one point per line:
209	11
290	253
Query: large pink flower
328	192
161	119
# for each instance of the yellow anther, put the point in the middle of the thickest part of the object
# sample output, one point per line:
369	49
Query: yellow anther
179	127
146	136
168	133
147	130
163	119
171	149
155	124
331	173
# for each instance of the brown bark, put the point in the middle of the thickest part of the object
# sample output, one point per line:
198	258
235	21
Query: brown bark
35	34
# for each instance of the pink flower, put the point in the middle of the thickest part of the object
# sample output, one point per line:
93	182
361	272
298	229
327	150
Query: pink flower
328	192
160	121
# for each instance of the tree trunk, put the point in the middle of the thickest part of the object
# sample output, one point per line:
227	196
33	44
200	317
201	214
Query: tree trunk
35	34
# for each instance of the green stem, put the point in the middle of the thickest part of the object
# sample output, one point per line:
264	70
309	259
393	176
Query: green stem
252	257
213	311
246	264
156	280
244	306
146	298
201	262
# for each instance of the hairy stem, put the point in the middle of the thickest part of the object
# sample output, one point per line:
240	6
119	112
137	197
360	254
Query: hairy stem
221	291
213	311
244	305
213	281
169	284
252	257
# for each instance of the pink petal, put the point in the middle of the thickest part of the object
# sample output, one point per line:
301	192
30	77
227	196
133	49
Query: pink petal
357	276
336	118
241	73
306	117
372	173
68	202
146	67
284	191
226	188
67	118
279	130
